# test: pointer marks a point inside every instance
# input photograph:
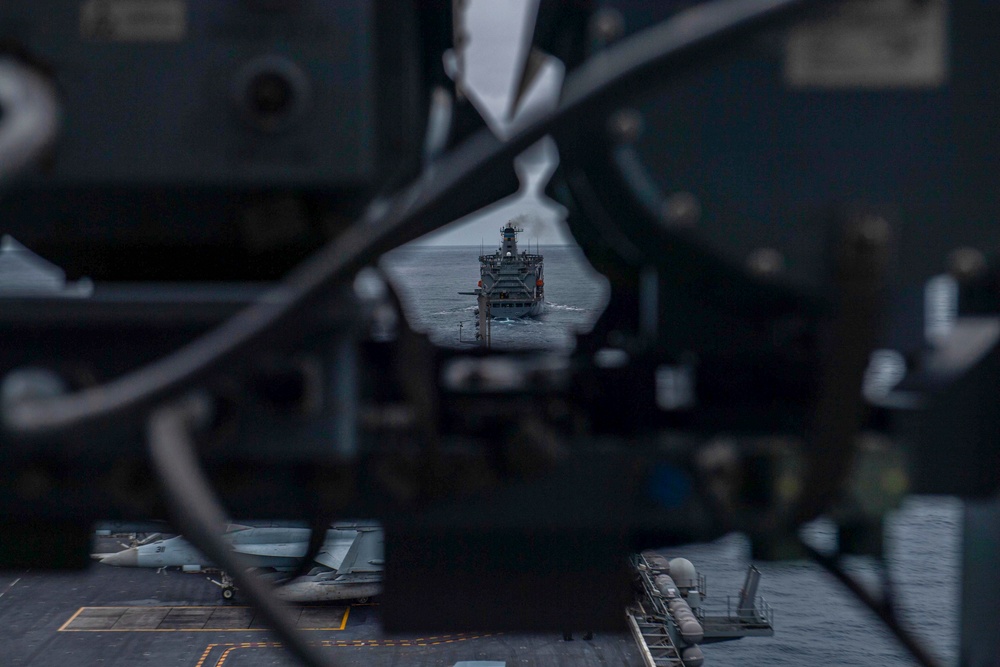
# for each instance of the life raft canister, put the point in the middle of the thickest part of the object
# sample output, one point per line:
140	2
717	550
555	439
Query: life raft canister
480	283
539	282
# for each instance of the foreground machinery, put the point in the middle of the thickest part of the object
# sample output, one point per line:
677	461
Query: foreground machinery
793	202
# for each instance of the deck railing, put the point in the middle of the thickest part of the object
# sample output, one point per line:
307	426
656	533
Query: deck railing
761	614
493	261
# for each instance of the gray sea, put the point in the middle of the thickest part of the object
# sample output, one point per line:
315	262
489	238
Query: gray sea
817	622
429	279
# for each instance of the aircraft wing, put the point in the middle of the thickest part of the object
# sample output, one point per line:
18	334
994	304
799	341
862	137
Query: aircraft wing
277	550
236	527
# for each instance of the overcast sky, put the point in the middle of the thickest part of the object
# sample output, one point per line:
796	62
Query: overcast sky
498	36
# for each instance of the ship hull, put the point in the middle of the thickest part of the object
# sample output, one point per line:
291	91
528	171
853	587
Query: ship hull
509	311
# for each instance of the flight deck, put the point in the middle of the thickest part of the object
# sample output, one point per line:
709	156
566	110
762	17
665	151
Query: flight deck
116	617
196	618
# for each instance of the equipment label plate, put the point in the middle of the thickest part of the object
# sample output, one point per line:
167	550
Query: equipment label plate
134	20
871	44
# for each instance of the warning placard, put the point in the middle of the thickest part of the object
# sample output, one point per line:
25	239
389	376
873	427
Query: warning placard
871	44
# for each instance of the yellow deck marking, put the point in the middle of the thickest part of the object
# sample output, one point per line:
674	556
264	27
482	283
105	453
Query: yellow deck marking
346	643
81	615
62	628
343	621
225	654
204	656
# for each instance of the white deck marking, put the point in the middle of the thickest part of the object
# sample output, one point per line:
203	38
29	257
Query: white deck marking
10	586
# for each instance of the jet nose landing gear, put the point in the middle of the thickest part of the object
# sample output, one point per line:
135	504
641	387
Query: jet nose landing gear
227	585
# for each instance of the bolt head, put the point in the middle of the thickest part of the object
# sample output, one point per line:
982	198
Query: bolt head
765	262
680	209
875	230
966	264
625	125
607	25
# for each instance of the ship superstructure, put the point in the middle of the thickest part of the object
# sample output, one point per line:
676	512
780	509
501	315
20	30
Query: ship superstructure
511	282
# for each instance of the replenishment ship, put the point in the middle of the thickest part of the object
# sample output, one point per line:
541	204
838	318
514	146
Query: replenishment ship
511	283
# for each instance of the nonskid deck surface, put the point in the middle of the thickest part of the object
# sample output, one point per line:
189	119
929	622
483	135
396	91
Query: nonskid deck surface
197	618
116	617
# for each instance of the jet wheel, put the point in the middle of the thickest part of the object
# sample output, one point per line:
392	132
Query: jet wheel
228	593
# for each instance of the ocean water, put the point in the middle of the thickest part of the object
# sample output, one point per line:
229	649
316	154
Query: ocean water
817	622
429	279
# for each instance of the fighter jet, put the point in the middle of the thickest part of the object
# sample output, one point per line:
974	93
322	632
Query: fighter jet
348	566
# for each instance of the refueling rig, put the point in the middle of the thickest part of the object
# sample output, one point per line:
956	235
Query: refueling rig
670	621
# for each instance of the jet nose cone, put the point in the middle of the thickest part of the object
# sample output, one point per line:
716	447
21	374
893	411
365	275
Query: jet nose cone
127	558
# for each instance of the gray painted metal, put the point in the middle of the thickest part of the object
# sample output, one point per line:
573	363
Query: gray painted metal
745	608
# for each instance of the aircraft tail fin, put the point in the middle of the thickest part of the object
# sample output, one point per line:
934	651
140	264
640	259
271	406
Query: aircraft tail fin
365	554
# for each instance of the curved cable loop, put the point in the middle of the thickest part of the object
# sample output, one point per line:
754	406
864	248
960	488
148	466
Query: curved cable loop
435	199
29	116
199	516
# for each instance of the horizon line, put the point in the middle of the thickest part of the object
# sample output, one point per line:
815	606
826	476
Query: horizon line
474	245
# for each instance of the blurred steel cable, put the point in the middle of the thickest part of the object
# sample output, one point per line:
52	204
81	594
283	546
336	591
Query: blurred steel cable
197	514
29	116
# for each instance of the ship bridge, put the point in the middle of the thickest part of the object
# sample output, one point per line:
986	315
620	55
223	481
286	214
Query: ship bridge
508	240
